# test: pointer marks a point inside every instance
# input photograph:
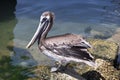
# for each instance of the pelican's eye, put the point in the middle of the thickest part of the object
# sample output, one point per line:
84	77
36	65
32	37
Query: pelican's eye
83	42
43	20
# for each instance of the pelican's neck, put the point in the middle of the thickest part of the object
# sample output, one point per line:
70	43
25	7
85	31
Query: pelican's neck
44	34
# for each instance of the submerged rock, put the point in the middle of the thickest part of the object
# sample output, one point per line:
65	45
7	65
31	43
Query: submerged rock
100	33
104	53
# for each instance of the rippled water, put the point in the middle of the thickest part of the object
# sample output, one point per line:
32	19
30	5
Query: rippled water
74	16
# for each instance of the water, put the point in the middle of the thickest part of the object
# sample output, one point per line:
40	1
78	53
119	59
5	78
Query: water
74	16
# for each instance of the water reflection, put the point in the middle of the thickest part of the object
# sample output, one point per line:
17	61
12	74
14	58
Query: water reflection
95	11
7	23
112	12
7	9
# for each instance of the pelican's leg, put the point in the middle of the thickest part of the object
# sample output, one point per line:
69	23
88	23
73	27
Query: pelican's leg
67	65
64	66
60	66
56	67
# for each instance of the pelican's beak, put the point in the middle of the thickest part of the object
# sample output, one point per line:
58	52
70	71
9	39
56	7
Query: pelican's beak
38	34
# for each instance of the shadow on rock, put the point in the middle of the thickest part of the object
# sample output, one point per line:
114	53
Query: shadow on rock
67	74
74	74
93	75
117	62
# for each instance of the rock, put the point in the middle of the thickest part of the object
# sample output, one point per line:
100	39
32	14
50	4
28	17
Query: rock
39	73
43	73
104	53
105	71
103	49
67	75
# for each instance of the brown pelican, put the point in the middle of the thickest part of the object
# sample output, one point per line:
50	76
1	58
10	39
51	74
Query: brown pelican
62	48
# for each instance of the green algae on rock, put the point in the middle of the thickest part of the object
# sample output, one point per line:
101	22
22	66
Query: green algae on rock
40	73
103	49
104	53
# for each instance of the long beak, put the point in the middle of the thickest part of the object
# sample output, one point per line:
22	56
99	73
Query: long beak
37	34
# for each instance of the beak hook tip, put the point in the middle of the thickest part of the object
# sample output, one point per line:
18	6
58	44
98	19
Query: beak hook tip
28	46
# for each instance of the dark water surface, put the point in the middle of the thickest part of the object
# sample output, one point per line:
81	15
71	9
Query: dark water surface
71	16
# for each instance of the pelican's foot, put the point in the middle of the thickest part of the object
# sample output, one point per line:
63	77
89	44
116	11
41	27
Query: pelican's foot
54	69
64	67
61	69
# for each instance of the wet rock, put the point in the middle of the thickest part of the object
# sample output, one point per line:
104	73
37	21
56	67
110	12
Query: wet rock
104	53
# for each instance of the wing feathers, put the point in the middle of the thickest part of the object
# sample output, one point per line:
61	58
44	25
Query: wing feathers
74	52
69	45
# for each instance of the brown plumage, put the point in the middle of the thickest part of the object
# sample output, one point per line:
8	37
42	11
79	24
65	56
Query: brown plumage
64	39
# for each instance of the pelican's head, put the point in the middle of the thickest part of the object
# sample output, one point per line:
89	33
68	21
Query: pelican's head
46	21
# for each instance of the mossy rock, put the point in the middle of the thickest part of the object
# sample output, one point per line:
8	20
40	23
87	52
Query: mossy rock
105	71
104	53
40	73
103	49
